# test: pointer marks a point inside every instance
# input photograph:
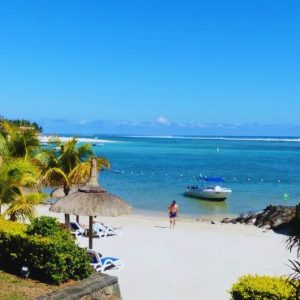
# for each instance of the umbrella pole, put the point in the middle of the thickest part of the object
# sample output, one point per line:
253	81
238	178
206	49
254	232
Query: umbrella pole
90	232
67	220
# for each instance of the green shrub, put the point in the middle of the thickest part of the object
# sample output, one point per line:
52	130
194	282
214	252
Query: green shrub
53	258
12	227
57	259
256	287
44	226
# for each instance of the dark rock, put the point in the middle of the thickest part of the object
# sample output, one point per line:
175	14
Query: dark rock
274	217
225	221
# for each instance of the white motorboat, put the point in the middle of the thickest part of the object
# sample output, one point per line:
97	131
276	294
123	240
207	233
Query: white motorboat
216	193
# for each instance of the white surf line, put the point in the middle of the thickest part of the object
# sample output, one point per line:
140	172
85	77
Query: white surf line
254	139
51	138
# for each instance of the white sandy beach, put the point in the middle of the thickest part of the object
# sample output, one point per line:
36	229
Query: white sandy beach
50	138
196	260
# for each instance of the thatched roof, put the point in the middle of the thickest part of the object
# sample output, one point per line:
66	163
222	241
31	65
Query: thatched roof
59	192
91	200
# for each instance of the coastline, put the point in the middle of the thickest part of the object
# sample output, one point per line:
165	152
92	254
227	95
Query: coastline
158	260
50	138
161	215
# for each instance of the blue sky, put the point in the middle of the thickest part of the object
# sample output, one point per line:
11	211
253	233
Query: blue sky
152	67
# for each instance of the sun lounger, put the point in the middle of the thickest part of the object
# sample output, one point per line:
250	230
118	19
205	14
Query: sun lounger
76	229
105	231
99	230
101	263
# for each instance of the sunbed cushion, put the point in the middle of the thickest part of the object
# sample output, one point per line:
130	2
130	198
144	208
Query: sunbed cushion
104	259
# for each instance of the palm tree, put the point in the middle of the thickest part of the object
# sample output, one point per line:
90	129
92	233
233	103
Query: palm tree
71	166
19	142
15	174
22	207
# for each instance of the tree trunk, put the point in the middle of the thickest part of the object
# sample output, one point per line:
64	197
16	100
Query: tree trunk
67	220
13	217
90	232
66	190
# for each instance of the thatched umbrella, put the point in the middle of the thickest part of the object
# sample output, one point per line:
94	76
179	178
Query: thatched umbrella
91	200
59	192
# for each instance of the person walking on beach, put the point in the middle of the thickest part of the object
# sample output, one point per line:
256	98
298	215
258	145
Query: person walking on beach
173	210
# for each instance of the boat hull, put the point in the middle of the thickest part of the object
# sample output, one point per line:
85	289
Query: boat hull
208	195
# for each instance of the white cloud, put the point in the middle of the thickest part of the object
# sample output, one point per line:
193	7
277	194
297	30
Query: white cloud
162	120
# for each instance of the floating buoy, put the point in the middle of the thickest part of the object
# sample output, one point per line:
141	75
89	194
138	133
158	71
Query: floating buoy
262	180
278	180
218	149
249	179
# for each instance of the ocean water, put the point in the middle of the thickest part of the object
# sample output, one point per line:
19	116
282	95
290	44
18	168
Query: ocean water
150	172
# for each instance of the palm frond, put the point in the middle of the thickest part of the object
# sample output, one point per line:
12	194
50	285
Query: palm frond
10	193
84	152
80	173
293	242
19	171
23	206
55	177
22	143
4	148
46	159
294	278
14	175
102	163
69	159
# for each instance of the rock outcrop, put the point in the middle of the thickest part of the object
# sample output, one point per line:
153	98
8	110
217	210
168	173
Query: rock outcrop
272	217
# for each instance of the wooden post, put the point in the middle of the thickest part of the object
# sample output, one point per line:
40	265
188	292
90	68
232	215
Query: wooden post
90	232
67	220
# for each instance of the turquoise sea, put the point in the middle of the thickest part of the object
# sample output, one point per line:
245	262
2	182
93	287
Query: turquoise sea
149	172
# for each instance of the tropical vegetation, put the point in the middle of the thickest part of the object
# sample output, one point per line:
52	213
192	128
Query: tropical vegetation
51	255
254	287
48	250
22	123
25	167
293	242
274	288
69	165
19	175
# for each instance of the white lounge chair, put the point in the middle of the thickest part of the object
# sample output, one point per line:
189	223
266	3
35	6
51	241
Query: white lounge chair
104	231
99	230
101	264
76	228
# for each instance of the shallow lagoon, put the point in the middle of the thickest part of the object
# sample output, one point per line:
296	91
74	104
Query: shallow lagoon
150	172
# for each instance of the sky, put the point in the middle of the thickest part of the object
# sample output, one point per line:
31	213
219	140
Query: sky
152	67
